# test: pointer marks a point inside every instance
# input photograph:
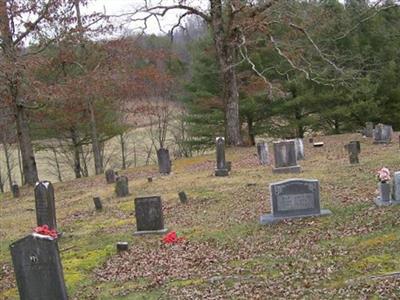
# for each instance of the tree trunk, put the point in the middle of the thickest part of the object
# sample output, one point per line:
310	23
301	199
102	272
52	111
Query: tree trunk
122	139
98	161
250	127
57	164
77	158
15	77
1	183
226	58
8	165
21	172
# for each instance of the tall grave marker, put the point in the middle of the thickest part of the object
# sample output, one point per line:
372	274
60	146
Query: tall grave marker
221	169
262	152
45	204
285	157
164	161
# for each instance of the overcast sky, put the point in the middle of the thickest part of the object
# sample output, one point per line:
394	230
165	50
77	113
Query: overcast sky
115	7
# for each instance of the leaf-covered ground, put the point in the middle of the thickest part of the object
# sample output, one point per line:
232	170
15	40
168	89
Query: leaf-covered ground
226	254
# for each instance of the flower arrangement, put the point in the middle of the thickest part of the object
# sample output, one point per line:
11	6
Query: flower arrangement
383	175
172	238
45	230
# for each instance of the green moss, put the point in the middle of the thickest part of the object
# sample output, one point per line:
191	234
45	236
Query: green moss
10	294
377	264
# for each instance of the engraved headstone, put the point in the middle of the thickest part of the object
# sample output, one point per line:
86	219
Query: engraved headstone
221	169
45	204
97	203
285	157
262	151
294	198
382	134
149	215
15	190
122	187
182	197
353	148
396	186
164	161
299	145
38	269
110	176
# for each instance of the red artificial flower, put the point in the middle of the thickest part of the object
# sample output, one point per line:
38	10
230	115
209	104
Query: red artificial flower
45	230
172	238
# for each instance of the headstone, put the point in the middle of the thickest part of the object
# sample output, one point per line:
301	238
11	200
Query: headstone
38	269
396	186
221	169
121	186
149	215
318	144
382	134
149	179
110	176
45	204
299	145
15	190
353	148
294	198
122	246
183	197
285	157
97	203
369	129
385	194
164	161
262	151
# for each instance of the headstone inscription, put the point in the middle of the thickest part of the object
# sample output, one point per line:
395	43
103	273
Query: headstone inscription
97	203
382	134
262	152
110	176
149	215
122	187
353	148
221	169
294	198
45	204
285	157
38	269
15	190
164	161
299	145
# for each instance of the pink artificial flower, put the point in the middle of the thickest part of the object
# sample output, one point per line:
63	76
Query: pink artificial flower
383	175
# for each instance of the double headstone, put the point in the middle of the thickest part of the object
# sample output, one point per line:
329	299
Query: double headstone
285	157
164	161
45	204
15	190
299	145
110	176
294	198
38	269
122	186
221	169
353	148
262	152
149	215
382	134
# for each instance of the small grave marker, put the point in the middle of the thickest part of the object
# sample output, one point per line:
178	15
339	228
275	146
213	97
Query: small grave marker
164	161
182	197
353	148
15	190
122	246
97	203
318	144
110	176
262	152
122	187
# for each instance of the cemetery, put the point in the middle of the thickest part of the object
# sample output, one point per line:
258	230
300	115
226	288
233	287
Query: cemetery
199	149
324	237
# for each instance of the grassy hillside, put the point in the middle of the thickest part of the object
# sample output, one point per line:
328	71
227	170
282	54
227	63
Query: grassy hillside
226	253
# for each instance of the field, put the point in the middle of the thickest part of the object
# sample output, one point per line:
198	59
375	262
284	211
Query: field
226	254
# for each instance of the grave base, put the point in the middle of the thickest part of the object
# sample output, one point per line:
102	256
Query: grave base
381	142
293	169
221	172
143	232
380	203
270	219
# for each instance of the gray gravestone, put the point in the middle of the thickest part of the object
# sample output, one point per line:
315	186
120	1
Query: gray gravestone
110	176
385	194
121	186
285	157
97	203
182	197
353	148
382	134
45	204
38	269
396	186
149	215
299	145
262	151
294	198
164	161
15	190
221	169
369	129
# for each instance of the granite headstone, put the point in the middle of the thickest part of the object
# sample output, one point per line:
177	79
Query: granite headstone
122	186
110	176
382	134
221	169
262	152
149	215
45	204
285	157
164	161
